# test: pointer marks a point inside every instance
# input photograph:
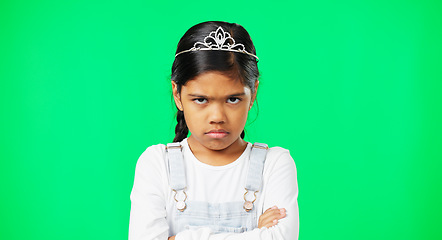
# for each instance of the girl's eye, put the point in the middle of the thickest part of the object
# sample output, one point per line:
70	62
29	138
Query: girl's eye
233	100
200	100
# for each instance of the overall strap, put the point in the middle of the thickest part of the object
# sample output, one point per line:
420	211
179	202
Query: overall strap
257	159
176	166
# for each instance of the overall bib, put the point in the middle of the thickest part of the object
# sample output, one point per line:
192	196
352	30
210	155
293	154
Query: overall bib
236	217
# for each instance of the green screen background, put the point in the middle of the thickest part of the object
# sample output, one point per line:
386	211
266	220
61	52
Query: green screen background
352	88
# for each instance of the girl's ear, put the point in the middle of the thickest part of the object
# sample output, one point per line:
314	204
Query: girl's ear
176	96
254	94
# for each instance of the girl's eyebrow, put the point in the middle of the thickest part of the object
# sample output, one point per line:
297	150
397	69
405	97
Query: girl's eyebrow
197	95
237	94
204	96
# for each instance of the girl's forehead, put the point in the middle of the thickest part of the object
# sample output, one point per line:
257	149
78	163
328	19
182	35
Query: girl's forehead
214	81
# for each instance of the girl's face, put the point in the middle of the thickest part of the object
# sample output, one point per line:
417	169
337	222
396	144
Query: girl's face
215	109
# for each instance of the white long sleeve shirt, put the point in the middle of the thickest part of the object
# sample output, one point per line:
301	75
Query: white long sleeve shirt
153	200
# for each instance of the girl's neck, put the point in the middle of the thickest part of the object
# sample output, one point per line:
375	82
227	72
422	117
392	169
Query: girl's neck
217	157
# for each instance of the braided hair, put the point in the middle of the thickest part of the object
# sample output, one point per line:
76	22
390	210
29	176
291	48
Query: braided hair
181	129
189	65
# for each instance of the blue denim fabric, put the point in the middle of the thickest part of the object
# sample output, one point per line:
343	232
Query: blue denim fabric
219	217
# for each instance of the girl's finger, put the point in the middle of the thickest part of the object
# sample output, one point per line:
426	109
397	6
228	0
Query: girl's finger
274	207
272	223
270	217
273	214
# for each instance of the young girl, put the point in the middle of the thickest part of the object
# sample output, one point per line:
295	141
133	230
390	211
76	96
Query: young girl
213	184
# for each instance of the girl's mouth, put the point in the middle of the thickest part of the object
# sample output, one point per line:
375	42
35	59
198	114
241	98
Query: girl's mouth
217	133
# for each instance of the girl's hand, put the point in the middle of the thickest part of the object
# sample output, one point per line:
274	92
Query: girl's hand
271	217
171	238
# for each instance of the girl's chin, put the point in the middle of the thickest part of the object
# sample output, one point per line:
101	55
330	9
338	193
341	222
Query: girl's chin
219	144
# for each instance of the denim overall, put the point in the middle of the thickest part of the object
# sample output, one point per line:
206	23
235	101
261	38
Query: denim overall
219	217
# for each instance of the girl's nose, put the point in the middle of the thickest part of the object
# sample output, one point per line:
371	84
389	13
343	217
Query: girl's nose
217	114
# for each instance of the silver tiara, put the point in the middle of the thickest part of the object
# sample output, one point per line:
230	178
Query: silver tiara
218	40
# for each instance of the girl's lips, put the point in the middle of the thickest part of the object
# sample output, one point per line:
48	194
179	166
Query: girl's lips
218	133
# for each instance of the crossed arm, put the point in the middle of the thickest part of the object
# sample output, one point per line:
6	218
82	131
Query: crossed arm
268	219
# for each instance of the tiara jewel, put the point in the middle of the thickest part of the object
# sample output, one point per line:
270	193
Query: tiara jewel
218	40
